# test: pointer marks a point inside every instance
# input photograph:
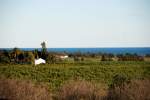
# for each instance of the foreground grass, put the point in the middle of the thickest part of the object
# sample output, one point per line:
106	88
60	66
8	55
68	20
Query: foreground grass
12	89
56	75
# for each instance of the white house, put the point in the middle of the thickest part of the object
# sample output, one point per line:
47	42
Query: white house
39	61
63	56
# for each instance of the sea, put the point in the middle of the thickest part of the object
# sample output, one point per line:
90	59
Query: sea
137	50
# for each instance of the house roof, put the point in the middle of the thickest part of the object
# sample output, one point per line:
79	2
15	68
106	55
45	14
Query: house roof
39	61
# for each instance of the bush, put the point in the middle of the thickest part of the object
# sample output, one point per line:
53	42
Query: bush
11	89
119	80
130	57
107	57
4	59
29	57
51	59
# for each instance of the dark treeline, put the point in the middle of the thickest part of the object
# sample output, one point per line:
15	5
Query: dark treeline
108	56
130	57
27	57
18	56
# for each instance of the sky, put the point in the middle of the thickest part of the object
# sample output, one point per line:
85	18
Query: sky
74	23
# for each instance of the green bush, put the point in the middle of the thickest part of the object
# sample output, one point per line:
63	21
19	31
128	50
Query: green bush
119	80
4	59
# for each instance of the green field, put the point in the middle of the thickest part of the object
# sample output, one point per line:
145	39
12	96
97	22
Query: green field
54	75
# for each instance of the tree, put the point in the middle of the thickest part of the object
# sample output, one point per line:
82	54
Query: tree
29	57
36	55
44	50
103	58
16	52
7	54
21	57
43	44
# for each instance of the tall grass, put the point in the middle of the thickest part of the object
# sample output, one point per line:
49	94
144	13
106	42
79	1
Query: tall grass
81	90
11	89
135	90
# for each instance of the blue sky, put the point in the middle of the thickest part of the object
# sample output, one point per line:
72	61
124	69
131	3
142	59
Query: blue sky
75	23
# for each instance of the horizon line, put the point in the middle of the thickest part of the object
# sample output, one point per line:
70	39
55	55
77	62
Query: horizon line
82	47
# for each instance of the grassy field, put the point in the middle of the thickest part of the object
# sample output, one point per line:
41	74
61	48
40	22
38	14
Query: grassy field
55	75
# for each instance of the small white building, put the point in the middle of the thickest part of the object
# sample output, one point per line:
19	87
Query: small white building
39	61
63	56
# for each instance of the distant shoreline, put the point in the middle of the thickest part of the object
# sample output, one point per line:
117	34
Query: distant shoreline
114	50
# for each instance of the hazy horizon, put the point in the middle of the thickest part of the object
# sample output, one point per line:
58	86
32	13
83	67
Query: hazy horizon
79	23
73	47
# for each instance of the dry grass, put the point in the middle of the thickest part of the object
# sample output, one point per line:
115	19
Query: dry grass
83	90
11	89
136	90
80	90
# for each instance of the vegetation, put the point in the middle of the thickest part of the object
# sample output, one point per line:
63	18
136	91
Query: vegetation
17	56
81	90
135	90
87	76
130	57
11	89
44	52
56	74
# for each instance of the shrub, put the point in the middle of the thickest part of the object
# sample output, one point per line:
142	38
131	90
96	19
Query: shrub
11	89
119	80
4	59
51	59
103	58
130	57
29	57
107	57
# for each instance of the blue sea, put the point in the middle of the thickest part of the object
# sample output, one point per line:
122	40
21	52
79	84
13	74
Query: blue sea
138	50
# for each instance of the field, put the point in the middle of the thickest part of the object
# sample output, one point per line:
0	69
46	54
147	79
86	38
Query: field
55	75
